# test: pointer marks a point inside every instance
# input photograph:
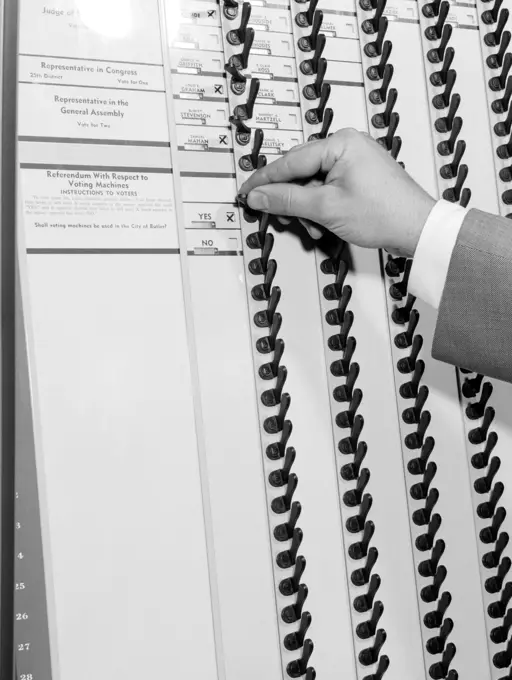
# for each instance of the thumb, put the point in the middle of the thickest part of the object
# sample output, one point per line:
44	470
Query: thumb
290	200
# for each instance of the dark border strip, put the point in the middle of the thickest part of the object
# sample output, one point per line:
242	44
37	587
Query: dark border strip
81	140
219	253
103	251
93	87
103	61
93	168
218	175
8	259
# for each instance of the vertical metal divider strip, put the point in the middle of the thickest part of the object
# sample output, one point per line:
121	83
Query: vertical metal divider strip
284	575
319	258
397	355
443	187
8	176
499	117
499	435
192	350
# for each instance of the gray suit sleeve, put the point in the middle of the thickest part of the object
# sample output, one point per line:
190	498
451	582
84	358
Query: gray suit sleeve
474	324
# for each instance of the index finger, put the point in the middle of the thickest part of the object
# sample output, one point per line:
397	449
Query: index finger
299	163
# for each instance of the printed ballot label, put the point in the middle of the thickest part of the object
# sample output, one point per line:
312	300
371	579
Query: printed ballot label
198	87
197	63
91	29
211	215
98	208
192	37
45	70
201	113
210	139
91	113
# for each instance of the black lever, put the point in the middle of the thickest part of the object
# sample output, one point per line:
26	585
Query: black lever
374	49
289	586
497	83
490	16
481	460
284	532
483	484
408	364
447	146
307	43
401	315
316	115
377	72
409	390
453	194
431	9
363	603
428	568
305	19
370	26
238	79
496	60
381	669
441	101
417	466
431	593
253	161
379	95
314	90
476	410
354	497
310	66
494	584
490	534
437	644
449	171
299	667
238	35
435	32
436	54
494	38
360	577
387	140
435	619
241	60
479	434
445	123
245	111
486	510
294	641
230	9
326	124
504	151
438	78
501	105
369	656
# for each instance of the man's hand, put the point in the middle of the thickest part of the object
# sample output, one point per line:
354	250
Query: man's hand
349	184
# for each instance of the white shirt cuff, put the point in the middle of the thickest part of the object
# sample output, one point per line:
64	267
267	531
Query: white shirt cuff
434	252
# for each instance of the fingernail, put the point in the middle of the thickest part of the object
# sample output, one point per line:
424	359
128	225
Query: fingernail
257	200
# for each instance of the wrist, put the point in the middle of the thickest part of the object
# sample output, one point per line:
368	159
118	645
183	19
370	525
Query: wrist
421	209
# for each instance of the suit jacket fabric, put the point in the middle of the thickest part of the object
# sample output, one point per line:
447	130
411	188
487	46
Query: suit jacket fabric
474	324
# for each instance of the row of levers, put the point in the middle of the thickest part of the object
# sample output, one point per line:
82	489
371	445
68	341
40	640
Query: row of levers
359	527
